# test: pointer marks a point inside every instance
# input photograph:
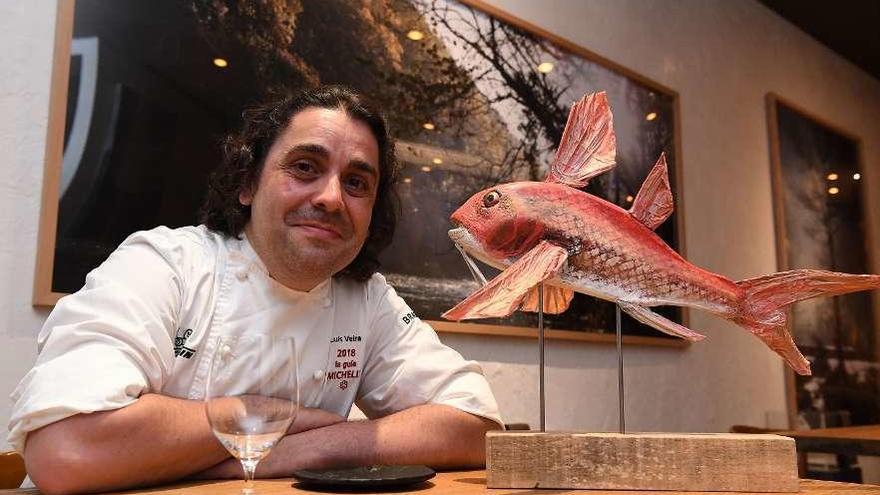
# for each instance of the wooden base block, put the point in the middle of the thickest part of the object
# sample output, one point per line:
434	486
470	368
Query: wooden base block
726	462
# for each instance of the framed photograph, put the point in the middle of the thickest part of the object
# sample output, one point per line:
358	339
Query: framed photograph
819	211
142	95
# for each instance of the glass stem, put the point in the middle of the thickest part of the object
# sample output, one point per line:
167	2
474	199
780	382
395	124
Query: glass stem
250	466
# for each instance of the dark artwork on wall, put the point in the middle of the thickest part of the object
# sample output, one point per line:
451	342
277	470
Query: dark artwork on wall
820	224
475	98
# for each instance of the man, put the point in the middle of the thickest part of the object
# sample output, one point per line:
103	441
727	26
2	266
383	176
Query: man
294	220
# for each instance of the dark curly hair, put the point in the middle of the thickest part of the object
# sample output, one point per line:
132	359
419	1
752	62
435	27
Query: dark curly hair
244	155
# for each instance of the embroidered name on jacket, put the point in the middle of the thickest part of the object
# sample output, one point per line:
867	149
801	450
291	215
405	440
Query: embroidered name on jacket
345	353
180	349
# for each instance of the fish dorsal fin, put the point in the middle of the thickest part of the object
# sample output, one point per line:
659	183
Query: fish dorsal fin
504	293
556	300
654	203
588	146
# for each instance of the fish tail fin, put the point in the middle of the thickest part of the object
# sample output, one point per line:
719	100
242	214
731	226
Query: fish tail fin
766	298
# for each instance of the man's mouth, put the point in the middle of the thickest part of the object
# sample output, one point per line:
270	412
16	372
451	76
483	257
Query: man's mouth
320	229
319	224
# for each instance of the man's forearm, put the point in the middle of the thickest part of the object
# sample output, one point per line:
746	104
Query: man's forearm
155	439
434	435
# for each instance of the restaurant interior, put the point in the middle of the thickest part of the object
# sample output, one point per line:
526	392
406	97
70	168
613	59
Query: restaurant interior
765	111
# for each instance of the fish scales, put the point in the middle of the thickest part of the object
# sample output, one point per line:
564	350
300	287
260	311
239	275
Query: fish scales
612	253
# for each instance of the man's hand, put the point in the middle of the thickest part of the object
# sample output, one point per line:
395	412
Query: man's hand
153	440
306	419
233	410
435	435
309	418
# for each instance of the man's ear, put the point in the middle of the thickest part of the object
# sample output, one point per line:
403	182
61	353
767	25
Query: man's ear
245	196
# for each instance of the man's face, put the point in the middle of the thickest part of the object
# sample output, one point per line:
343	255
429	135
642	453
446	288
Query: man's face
310	213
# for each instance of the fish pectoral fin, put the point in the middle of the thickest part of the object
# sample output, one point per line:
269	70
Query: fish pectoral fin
659	322
556	300
588	145
654	203
504	293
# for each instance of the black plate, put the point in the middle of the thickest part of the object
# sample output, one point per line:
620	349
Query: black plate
365	477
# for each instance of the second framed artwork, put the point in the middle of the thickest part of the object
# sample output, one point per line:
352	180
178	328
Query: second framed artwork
820	223
475	96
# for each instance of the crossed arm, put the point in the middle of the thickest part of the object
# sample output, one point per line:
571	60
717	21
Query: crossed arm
160	439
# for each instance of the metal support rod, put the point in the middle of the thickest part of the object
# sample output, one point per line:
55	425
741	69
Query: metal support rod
541	349
620	394
481	279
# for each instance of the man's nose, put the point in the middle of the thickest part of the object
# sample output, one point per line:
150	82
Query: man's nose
329	195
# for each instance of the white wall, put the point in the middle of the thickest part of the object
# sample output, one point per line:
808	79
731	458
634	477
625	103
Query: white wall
27	31
721	56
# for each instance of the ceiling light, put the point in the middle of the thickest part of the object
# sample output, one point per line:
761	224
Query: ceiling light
857	176
629	199
220	62
833	190
545	67
437	161
651	116
832	176
407	180
426	168
429	126
415	35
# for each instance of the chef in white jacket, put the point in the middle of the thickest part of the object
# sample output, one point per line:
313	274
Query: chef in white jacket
295	217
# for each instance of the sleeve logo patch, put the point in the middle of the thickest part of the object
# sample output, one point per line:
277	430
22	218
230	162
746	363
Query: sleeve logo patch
180	348
409	318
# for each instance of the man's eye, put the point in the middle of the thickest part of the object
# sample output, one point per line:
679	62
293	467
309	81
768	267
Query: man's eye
303	167
357	185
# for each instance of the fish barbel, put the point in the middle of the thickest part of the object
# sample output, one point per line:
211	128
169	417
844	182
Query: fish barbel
572	241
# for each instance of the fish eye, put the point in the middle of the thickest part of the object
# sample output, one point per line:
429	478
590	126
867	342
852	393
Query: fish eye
491	199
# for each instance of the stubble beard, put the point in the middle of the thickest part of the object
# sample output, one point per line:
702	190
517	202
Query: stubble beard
312	261
313	258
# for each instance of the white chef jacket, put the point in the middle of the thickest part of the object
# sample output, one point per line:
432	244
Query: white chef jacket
148	318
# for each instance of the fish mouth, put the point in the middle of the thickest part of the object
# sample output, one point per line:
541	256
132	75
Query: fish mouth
465	240
461	236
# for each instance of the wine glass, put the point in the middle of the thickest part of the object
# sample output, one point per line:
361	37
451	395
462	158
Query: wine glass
252	396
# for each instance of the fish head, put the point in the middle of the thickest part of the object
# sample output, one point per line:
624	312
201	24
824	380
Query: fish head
497	224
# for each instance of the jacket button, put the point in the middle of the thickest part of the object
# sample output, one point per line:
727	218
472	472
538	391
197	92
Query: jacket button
242	274
327	302
318	374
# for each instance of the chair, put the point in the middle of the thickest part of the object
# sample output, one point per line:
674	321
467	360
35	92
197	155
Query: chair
831	467
12	471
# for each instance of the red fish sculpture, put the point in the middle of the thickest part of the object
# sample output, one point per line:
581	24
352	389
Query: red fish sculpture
572	241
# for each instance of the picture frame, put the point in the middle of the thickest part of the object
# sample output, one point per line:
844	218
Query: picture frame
482	132
818	201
